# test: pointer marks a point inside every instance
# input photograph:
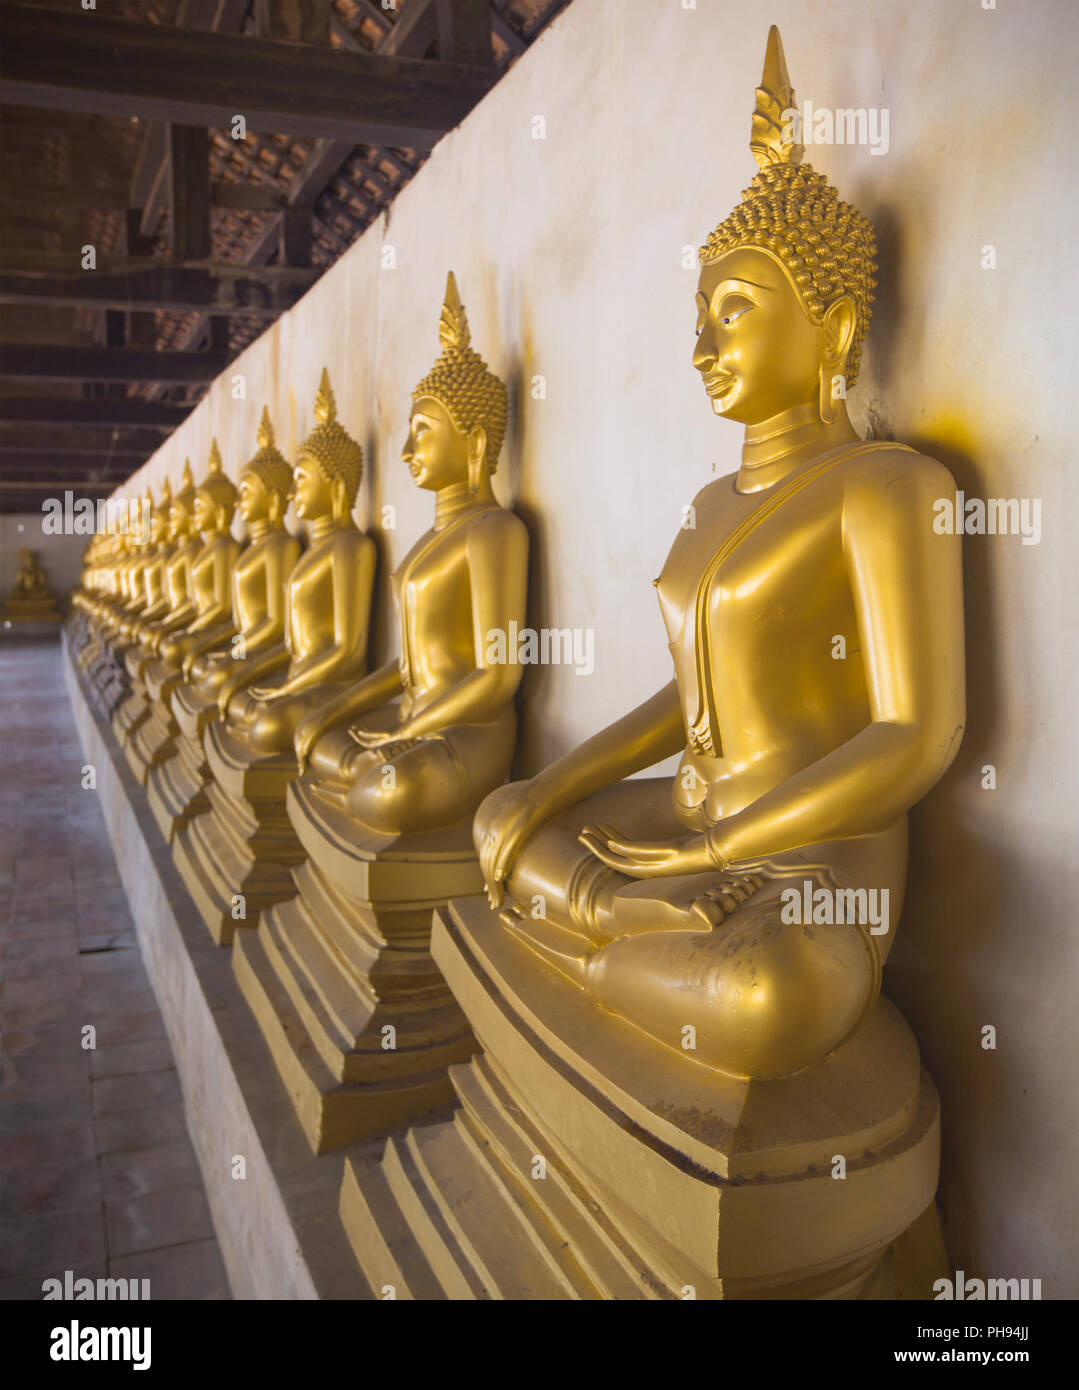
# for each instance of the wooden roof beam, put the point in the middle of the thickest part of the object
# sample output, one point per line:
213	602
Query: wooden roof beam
59	61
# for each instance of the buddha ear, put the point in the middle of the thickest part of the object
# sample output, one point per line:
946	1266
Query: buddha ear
477	456
840	322
339	498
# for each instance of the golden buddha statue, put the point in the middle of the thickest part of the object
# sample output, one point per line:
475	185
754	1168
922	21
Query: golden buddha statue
211	570
396	765
31	600
328	622
235	858
680	999
140	580
211	585
177	605
451	738
201	619
95	596
257	623
259	577
150	598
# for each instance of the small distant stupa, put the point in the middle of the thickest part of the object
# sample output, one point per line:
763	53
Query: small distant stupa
31	600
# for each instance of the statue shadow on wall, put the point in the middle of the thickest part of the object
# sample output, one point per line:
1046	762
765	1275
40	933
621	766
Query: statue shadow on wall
960	886
367	503
515	482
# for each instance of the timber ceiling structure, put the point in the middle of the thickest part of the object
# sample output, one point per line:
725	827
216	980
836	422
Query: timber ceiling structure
117	134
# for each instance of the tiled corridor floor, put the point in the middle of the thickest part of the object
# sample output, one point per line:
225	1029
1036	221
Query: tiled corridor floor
97	1173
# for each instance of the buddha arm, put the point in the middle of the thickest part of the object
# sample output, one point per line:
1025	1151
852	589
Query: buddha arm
907	587
199	642
646	735
374	690
248	670
497	551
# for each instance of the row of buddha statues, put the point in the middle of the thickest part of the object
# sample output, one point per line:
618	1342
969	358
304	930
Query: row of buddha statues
567	1028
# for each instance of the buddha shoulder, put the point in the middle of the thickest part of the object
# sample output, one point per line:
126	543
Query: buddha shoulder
352	547
890	480
497	533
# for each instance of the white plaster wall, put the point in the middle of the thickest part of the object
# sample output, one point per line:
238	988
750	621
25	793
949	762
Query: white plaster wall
568	255
61	555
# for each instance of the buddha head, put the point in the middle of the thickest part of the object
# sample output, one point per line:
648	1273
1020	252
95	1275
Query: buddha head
215	496
459	411
266	480
182	506
786	285
329	465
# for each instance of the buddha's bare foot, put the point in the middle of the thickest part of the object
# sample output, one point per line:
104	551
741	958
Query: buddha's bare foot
725	896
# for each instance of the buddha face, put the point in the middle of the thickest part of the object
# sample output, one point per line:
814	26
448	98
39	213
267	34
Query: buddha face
205	512
758	351
436	451
313	490
158	525
254	499
178	522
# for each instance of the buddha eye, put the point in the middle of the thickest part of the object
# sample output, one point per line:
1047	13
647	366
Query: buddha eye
733	308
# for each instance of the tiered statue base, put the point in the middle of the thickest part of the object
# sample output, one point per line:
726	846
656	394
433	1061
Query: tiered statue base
236	857
106	674
135	709
153	739
360	1023
588	1161
176	788
31	610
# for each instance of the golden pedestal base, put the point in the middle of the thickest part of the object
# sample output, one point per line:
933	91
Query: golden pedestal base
135	709
360	1023
130	713
105	672
588	1161
153	739
176	787
31	610
242	848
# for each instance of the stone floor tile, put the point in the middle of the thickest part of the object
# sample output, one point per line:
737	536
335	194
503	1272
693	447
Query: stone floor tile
122	1057
50	1141
52	1187
116	1023
33	1105
137	1172
190	1271
52	1242
172	1217
135	1091
138	1129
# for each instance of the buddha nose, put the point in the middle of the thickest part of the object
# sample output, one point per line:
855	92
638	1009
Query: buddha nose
704	350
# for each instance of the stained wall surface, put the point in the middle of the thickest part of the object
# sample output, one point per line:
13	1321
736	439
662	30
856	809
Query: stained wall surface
571	254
